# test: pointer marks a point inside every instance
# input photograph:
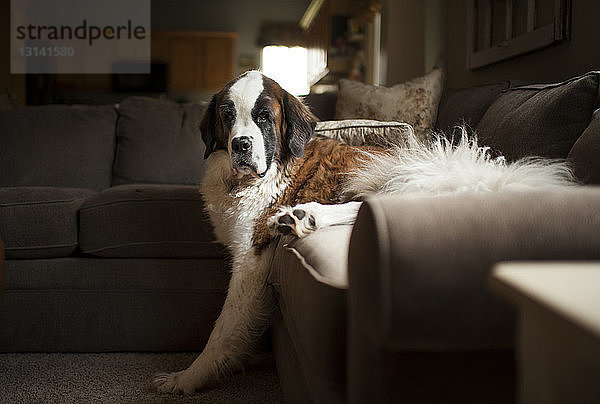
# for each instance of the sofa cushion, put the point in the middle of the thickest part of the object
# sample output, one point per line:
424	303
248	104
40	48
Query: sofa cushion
322	104
58	146
540	120
310	283
147	221
158	142
466	106
40	222
90	304
328	266
415	102
583	157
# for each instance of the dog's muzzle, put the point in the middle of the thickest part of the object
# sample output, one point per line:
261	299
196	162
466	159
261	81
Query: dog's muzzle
241	157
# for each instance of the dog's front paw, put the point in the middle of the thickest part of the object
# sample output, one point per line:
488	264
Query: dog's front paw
176	383
297	221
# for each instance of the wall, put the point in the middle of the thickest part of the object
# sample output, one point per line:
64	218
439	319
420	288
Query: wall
436	28
14	83
556	63
402	40
413	38
5	45
241	16
416	35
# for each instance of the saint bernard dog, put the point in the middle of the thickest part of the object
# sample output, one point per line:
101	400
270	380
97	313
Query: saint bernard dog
268	175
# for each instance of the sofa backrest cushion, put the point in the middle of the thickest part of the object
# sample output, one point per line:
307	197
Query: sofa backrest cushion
57	145
159	142
322	104
540	120
466	106
584	157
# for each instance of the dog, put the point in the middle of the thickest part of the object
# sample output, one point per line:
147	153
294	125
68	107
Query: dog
267	175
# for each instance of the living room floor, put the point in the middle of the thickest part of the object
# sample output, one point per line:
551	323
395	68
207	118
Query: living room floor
122	377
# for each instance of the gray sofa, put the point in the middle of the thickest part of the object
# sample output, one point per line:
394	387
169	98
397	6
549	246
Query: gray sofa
397	308
107	244
108	248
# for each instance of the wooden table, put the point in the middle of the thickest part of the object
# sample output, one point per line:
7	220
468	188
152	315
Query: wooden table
558	337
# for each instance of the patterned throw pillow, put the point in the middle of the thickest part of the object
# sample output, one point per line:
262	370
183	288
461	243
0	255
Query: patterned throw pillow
414	102
359	132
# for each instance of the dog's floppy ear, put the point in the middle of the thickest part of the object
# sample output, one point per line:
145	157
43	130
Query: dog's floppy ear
208	127
300	124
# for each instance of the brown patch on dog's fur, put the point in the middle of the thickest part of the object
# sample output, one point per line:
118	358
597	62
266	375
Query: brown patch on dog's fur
318	176
295	123
321	172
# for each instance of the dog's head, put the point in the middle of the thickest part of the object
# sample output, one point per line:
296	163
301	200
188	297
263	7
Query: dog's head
257	123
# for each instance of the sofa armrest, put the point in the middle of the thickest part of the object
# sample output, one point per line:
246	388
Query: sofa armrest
419	267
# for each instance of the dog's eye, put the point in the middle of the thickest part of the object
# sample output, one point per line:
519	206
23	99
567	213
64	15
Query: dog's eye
227	113
263	117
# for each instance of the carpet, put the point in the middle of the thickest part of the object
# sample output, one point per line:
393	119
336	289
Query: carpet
122	378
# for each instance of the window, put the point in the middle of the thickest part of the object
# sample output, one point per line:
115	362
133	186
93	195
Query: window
294	68
501	29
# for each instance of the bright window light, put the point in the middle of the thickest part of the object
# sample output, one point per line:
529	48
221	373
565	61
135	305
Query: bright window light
288	66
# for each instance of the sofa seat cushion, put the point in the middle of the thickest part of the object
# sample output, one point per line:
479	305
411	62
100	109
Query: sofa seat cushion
310	284
147	221
58	146
540	120
40	222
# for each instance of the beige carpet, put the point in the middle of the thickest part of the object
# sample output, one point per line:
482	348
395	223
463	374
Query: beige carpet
122	378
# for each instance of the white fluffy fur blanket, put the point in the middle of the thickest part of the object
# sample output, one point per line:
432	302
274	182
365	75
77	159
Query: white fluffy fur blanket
452	166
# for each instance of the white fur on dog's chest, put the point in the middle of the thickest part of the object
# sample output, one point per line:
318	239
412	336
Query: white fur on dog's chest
234	208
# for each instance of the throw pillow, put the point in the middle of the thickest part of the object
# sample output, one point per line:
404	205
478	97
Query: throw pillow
543	120
358	132
415	102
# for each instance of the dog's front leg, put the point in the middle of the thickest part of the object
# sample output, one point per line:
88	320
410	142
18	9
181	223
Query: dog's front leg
244	317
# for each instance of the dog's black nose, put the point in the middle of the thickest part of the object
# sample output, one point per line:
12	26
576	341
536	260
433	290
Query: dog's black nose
241	144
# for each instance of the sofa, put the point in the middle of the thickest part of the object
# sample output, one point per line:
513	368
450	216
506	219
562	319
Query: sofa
107	244
397	308
108	247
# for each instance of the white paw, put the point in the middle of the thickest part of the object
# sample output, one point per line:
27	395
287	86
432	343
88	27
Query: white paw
176	383
297	220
